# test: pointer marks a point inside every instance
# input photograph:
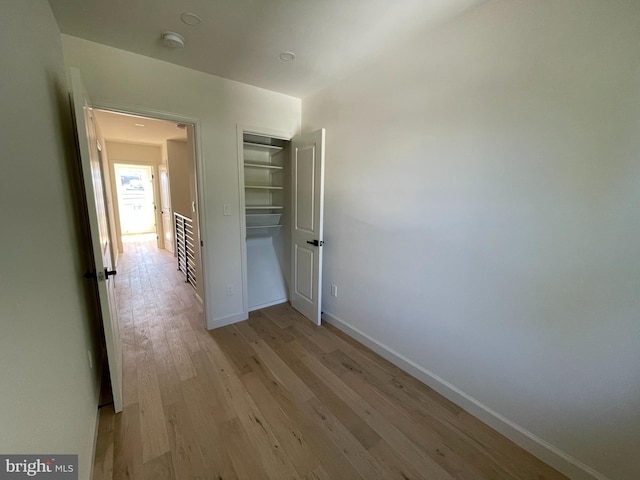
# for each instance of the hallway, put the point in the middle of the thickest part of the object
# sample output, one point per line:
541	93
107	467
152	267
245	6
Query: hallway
274	397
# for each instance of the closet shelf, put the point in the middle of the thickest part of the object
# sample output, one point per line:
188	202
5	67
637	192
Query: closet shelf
263	226
257	165
260	145
263	219
263	187
263	207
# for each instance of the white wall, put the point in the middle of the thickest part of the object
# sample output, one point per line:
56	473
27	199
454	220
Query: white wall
134	153
117	78
482	206
48	393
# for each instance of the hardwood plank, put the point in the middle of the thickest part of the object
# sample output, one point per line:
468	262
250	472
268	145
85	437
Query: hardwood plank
235	347
189	337
160	468
204	417
281	371
284	428
404	447
127	448
262	323
180	355
187	457
170	386
322	342
241	451
152	422
367	466
319	473
332	458
465	462
265	443
424	423
212	394
358	427
278	316
387	456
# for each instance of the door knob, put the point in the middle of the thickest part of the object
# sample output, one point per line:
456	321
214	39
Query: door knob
108	273
315	243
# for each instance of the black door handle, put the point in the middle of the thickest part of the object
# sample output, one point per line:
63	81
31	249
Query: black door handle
315	243
108	273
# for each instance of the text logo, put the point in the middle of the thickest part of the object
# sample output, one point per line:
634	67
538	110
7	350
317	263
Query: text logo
42	467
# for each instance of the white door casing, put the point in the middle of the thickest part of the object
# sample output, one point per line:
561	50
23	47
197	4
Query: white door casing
98	225
165	209
307	172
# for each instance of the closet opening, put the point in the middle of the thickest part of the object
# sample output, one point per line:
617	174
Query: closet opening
282	198
267	209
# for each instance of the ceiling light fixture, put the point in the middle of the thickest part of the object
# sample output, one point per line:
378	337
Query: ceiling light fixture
173	40
139	124
287	56
190	19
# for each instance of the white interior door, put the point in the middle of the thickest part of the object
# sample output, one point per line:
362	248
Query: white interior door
100	237
307	165
165	208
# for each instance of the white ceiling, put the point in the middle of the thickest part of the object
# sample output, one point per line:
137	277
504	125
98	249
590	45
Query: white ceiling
123	128
242	39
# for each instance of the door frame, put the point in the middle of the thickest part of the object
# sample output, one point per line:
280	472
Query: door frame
264	132
200	181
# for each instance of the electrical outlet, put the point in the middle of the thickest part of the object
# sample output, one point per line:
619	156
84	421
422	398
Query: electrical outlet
230	289
334	290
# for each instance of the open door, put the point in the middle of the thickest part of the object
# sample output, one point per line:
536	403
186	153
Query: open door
165	208
307	164
94	188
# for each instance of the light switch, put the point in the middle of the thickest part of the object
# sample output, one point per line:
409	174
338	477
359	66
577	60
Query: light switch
227	209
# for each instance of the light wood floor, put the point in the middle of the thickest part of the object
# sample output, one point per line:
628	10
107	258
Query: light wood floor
274	397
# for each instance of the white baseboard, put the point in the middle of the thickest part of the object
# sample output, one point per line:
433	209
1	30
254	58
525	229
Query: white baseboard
268	304
546	452
223	321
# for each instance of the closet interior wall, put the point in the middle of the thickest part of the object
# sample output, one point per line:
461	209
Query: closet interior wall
267	215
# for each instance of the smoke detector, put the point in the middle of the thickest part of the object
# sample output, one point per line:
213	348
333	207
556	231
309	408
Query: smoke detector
190	19
173	40
287	56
